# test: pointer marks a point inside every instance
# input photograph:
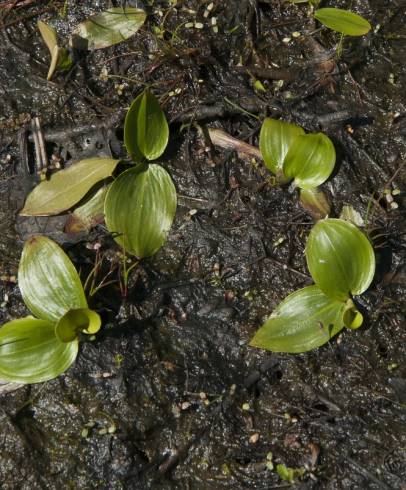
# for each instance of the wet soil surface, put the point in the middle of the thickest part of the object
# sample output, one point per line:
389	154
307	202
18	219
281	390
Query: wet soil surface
170	395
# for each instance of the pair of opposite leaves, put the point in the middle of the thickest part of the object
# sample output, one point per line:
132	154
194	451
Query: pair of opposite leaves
341	261
32	349
289	153
140	204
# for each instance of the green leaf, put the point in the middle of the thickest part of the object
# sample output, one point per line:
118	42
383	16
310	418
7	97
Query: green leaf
340	258
140	207
343	21
274	141
49	283
306	319
66	187
108	28
89	214
315	202
146	130
77	321
31	353
310	160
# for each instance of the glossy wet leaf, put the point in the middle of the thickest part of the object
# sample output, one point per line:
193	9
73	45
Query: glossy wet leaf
310	160
31	353
49	283
89	214
315	202
275	139
67	187
74	322
340	258
343	21
108	28
139	210
146	130
306	319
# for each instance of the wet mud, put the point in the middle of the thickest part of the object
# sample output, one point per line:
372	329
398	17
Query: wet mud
170	395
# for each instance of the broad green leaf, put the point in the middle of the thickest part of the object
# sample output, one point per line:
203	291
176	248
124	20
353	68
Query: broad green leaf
108	28
60	57
146	130
340	258
77	321
314	201
306	319
31	353
66	187
139	210
274	141
343	21
310	160
49	283
89	214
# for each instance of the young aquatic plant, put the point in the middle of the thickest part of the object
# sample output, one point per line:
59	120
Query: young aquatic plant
38	349
307	159
141	203
341	261
139	206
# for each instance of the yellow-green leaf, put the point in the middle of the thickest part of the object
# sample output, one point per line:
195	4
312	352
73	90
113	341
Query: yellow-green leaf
306	319
66	187
275	139
310	160
343	21
108	28
139	209
48	35
146	130
49	283
31	353
77	321
59	56
340	258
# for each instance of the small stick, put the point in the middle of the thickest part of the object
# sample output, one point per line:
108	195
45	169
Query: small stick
224	140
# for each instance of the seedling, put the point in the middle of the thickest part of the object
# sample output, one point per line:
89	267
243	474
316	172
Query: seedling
141	203
341	261
38	349
289	153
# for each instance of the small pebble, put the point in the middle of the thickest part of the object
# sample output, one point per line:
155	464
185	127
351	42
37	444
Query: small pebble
254	438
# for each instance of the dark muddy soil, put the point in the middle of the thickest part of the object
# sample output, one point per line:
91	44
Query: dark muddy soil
170	395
